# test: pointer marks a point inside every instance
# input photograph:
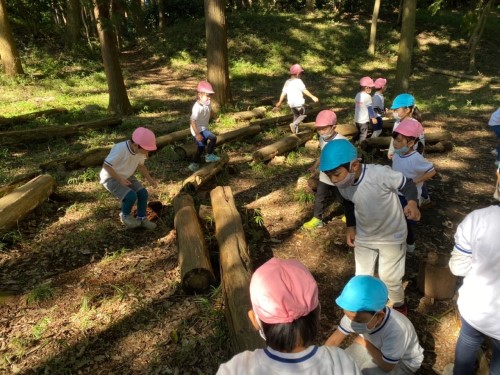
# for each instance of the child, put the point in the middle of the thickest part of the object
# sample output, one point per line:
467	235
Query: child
376	225
476	257
293	90
326	122
494	123
200	116
364	115
117	176
379	105
285	310
410	163
387	341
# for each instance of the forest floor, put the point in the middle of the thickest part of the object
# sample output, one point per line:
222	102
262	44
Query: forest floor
80	294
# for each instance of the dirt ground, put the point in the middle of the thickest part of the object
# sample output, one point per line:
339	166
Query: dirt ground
114	303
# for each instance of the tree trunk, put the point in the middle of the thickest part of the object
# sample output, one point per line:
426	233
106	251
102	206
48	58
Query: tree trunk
403	68
435	279
373	29
10	121
203	175
118	98
384	142
235	267
217	57
74	24
476	35
162	22
8	52
137	16
194	260
288	143
16	205
188	151
310	6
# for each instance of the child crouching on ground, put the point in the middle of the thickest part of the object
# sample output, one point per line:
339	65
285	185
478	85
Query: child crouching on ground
200	117
285	310
387	341
117	176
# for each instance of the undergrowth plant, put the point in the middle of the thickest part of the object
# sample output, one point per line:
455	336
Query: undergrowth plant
40	293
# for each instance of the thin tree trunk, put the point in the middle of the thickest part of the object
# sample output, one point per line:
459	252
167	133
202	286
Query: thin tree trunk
74	24
162	23
403	67
373	29
217	58
476	35
137	17
118	98
310	6
8	51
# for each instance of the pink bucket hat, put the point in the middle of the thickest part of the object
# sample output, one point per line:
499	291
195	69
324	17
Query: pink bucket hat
296	69
366	82
283	290
410	128
380	83
325	118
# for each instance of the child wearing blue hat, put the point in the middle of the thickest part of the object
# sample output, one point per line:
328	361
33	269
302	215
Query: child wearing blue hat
387	342
376	225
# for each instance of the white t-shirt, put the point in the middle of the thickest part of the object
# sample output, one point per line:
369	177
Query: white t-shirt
379	216
322	143
378	102
200	114
476	256
123	160
363	101
315	360
412	166
293	89
395	338
495	118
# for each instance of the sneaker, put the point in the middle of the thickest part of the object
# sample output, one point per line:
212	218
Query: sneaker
314	223
293	128
211	158
403	309
193	167
145	223
129	221
424	201
410	248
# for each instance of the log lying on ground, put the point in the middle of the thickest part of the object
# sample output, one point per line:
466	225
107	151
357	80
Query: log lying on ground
285	119
188	151
283	145
10	121
170	138
435	279
235	270
18	181
40	134
345	130
461	75
21	201
443	146
205	174
194	260
248	115
384	142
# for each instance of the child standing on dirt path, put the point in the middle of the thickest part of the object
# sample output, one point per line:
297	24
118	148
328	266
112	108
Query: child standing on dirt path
376	225
326	122
387	342
412	164
285	311
364	115
200	117
293	90
379	105
494	124
117	176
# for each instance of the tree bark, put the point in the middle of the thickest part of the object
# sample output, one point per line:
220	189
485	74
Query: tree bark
373	28
217	56
20	202
9	121
118	98
194	260
18	181
476	35
288	143
137	16
384	142
403	67
435	279
235	270
204	175
74	24
8	52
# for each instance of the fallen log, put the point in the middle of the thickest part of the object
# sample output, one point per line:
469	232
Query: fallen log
283	145
461	75
170	138
188	151
18	181
248	115
10	121
44	133
24	199
194	260
285	119
435	279
235	267
203	175
443	146
384	142
345	130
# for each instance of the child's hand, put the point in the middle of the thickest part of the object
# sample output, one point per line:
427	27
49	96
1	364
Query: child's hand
389	156
411	211
315	99
125	182
199	137
313	170
350	235
374	121
153	182
360	341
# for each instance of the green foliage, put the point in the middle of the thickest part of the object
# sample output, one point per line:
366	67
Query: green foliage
89	175
110	257
303	196
258	218
39	329
40	293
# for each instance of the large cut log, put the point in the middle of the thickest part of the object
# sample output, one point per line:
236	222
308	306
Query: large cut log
248	115
170	138
18	181
9	121
203	175
443	146
345	130
194	260
384	142
44	133
235	270
21	201
188	151
285	119
283	145
435	279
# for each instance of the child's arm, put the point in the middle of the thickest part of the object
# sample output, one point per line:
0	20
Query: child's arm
375	353
350	231
116	176
143	170
313	169
336	338
409	190
282	97
307	92
197	134
426	176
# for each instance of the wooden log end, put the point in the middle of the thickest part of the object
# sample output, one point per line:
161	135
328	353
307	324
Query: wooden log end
198	280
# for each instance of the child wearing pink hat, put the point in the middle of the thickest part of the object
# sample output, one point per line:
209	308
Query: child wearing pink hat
379	105
285	310
294	90
364	115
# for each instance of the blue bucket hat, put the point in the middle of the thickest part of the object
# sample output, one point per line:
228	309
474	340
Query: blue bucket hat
403	100
336	153
363	293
